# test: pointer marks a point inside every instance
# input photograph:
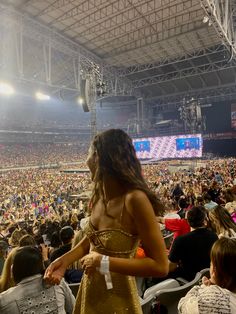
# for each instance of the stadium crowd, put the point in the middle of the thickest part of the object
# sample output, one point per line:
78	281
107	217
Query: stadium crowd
42	208
19	155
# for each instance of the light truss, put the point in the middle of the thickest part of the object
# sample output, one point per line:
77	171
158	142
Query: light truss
206	52
185	73
25	40
220	15
206	95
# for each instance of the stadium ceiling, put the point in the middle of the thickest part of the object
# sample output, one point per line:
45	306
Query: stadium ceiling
162	50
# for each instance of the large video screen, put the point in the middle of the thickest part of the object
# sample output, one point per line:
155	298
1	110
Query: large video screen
142	146
187	143
181	146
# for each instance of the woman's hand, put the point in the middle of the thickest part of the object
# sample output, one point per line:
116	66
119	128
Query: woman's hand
55	272
91	262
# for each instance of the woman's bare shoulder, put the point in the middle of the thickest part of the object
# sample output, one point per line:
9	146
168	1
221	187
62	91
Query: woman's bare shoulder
137	200
136	195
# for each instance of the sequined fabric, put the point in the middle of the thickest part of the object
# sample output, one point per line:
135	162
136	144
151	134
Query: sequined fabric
93	296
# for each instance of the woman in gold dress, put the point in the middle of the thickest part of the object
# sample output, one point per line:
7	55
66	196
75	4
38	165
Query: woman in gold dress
123	213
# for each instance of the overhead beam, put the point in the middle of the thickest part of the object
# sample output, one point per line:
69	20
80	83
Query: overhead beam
184	73
169	61
95	7
56	4
216	93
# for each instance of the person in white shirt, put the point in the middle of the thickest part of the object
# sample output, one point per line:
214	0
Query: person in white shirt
31	294
209	204
171	211
218	294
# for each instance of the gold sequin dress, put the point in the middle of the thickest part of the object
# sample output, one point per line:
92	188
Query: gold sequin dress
93	296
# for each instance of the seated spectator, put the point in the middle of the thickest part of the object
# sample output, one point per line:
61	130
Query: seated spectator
55	242
231	208
199	201
209	204
16	236
6	279
178	226
218	178
31	295
214	191
182	205
171	211
66	236
222	222
230	199
217	294
177	192
27	240
3	254
190	253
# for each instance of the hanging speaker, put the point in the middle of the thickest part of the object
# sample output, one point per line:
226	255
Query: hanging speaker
83	95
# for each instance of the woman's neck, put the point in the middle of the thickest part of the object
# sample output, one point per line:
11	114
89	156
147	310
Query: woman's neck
112	188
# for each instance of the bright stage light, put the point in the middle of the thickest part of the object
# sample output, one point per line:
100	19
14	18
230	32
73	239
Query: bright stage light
6	89
80	100
41	96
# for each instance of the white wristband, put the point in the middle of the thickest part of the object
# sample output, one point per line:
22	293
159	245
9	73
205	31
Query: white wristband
108	281
104	270
104	265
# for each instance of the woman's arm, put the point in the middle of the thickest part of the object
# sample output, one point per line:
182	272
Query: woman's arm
77	252
56	270
155	263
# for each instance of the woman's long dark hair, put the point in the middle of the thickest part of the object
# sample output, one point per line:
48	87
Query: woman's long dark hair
223	255
117	158
224	220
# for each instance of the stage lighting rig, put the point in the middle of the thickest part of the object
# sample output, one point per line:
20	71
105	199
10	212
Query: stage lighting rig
101	89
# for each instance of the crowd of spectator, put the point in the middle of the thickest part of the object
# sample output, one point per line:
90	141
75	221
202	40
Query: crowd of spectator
19	155
44	208
39	193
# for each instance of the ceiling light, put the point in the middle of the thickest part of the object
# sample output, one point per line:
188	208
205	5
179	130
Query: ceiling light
80	101
41	96
6	89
